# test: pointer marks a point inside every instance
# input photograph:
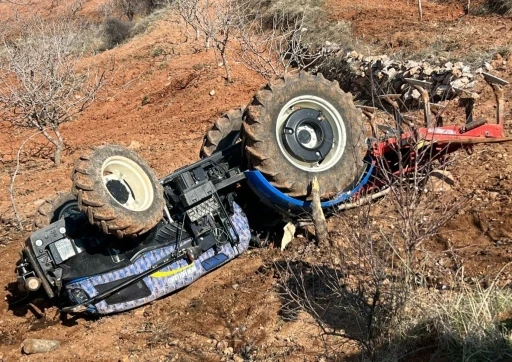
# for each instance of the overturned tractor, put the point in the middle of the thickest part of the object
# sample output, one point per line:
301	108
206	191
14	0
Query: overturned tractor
122	238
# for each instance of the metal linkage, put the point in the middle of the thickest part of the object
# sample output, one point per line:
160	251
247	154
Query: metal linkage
497	85
437	109
468	100
421	86
369	113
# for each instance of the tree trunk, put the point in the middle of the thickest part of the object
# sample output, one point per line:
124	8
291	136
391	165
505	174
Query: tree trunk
226	65
58	142
57	156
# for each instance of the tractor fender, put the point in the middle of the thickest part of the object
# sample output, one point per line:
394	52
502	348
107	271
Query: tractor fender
272	197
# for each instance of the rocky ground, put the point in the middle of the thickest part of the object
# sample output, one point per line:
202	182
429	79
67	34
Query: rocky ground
161	104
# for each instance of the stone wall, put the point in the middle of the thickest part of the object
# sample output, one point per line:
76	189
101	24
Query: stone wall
368	77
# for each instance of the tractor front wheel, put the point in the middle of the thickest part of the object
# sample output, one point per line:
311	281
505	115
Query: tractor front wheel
118	191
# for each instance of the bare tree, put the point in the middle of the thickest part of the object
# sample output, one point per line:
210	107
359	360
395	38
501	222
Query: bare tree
216	19
187	9
273	50
42	84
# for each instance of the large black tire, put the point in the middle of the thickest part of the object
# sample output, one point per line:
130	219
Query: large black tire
118	191
64	204
341	166
224	132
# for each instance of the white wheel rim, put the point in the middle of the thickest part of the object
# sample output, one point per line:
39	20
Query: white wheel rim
334	118
134	185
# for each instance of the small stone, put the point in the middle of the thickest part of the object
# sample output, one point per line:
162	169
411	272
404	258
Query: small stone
228	351
235	286
212	92
39	202
353	54
412	64
427	71
493	195
221	345
134	145
31	345
412	71
238	358
390	73
415	94
460	83
457	72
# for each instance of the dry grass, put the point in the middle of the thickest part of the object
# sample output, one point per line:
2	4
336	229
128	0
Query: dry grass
468	323
501	7
318	28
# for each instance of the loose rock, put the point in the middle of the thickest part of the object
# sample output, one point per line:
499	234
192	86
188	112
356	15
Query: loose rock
31	346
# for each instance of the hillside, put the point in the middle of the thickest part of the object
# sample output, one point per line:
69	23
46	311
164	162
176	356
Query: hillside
159	102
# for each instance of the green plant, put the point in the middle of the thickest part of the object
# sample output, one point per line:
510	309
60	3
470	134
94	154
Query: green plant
157	52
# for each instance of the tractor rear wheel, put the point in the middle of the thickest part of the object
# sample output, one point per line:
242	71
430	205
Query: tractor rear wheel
302	126
63	205
225	132
118	191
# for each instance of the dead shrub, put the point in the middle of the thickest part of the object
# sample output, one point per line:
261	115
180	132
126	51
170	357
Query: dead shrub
501	7
115	32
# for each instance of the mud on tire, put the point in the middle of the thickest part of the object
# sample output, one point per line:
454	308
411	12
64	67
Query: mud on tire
51	210
224	132
286	155
118	191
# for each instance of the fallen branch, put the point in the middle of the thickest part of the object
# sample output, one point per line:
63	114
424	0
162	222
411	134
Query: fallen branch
13	179
322	233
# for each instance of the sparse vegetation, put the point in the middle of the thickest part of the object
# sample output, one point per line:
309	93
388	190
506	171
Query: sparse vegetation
216	20
280	34
41	84
131	8
501	7
380	287
115	32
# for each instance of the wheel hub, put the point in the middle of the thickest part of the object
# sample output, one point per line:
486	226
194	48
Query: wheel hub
307	136
118	190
